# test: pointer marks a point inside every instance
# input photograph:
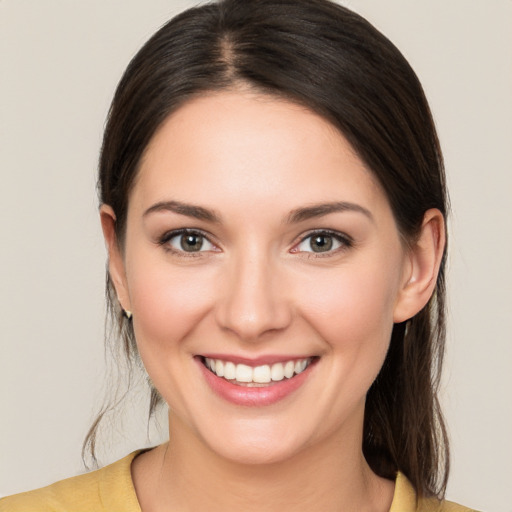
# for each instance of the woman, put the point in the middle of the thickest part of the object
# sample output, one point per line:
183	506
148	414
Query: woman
273	203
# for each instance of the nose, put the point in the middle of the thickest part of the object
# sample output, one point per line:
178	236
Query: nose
253	299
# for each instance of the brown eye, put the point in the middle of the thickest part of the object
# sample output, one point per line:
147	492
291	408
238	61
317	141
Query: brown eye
321	243
187	241
191	242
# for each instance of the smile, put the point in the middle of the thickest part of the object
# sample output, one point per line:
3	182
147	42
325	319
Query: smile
245	375
255	383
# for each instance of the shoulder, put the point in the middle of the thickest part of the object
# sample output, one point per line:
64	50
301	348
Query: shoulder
404	500
433	505
109	488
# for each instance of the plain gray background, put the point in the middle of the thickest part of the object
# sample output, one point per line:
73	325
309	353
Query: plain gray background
60	62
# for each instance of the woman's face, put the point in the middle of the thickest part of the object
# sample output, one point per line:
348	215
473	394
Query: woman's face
257	238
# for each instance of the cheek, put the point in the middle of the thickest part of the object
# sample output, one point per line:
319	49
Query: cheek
167	302
353	307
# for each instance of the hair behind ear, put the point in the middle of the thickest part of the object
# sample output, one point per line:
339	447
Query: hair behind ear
404	426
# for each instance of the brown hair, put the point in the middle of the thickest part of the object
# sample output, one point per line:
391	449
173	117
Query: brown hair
323	56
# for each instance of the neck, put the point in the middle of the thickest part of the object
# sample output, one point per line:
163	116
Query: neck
185	475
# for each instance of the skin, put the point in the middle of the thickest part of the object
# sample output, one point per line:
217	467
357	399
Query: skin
257	288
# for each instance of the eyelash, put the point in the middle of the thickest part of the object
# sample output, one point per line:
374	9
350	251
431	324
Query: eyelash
167	237
345	241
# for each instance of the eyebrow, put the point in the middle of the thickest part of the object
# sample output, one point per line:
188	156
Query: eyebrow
321	209
190	210
295	216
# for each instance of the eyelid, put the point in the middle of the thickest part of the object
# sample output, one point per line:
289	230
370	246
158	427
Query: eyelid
169	235
345	240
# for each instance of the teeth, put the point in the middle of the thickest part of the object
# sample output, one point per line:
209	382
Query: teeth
229	371
243	373
219	368
277	372
300	366
289	369
259	374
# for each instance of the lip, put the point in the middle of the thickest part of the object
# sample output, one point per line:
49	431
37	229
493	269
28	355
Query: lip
258	361
254	396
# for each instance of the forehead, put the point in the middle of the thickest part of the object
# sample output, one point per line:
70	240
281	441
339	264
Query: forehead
246	148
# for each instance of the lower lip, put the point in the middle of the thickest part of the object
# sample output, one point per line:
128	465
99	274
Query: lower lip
257	396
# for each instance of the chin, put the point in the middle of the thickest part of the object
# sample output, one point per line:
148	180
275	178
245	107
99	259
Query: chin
254	446
253	454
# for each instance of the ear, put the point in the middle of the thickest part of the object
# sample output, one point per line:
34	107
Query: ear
116	266
423	262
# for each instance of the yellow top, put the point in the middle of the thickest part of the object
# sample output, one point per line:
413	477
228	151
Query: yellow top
110	489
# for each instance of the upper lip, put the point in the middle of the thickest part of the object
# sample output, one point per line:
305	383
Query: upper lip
256	361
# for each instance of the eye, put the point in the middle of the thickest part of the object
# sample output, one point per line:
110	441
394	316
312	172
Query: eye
323	242
187	241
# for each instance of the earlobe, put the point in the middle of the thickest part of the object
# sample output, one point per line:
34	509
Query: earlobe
424	260
115	258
